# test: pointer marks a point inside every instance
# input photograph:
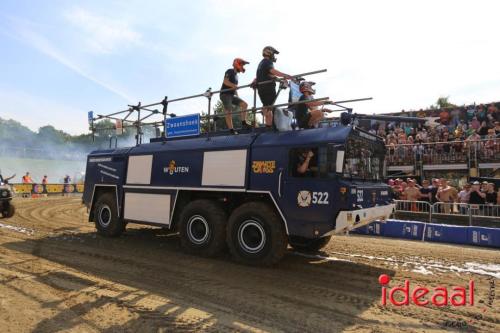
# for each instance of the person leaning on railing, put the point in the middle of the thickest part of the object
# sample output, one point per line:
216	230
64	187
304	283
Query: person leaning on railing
412	193
426	194
497	129
492	196
446	194
491	145
463	199
307	114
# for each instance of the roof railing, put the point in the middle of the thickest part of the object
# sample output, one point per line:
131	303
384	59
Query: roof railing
127	123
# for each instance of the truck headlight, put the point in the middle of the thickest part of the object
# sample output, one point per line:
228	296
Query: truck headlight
5	193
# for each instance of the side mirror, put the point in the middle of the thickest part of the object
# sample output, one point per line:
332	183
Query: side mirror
345	118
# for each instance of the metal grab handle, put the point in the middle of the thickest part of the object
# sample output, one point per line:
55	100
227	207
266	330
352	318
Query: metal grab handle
279	182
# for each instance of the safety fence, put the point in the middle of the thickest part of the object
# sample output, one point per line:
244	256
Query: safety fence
46	189
432	232
458	212
450	152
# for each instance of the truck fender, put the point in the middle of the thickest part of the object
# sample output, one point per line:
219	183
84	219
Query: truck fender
103	188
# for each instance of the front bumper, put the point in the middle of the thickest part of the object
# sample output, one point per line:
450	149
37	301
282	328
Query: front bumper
352	219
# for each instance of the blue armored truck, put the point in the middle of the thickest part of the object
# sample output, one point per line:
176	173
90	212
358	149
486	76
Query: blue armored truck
254	193
242	191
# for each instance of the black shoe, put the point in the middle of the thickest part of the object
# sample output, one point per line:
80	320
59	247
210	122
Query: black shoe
232	131
246	126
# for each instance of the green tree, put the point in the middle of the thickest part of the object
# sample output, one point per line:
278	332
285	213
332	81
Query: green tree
443	102
221	120
49	134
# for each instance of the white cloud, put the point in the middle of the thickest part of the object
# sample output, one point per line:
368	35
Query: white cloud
23	32
102	34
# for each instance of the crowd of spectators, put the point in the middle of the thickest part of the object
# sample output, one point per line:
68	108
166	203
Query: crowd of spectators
448	133
441	190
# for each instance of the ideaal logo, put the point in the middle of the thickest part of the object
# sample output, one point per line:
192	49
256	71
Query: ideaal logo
422	296
439	296
172	168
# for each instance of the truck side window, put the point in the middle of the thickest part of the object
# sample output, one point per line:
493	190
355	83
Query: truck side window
304	162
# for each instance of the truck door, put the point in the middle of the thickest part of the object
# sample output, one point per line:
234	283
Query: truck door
308	190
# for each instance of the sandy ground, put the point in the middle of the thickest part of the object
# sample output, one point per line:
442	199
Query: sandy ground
56	274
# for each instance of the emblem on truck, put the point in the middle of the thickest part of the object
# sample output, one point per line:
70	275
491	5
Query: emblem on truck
304	199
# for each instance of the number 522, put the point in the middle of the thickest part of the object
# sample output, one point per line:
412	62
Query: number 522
320	198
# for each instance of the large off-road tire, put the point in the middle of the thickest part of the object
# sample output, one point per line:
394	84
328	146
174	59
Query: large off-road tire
202	228
106	219
309	245
9	211
256	234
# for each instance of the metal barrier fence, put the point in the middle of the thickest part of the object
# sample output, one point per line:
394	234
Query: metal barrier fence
451	152
468	212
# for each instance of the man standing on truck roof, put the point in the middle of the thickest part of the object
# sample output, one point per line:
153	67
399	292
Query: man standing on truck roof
266	72
230	97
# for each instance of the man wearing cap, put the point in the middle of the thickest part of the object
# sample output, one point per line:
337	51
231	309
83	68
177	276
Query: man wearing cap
476	197
229	95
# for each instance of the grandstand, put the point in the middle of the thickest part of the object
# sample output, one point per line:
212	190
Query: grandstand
455	143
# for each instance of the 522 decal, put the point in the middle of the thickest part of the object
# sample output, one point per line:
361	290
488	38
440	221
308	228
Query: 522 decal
320	198
306	198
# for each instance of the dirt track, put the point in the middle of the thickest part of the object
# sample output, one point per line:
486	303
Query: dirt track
56	274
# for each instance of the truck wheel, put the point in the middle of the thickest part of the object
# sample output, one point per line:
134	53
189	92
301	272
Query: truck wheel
9	211
203	228
256	235
309	245
106	217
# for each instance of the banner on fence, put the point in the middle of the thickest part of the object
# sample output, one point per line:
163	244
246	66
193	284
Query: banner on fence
47	188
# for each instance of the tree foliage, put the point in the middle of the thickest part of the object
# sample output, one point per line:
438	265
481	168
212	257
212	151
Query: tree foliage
51	143
442	103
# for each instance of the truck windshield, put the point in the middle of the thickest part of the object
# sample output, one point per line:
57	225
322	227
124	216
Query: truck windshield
364	159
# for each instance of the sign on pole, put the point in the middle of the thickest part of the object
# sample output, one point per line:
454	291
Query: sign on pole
90	116
182	126
119	127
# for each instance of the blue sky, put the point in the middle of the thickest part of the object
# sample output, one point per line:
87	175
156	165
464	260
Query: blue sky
60	59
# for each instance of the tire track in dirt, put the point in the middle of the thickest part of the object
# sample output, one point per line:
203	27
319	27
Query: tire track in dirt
144	280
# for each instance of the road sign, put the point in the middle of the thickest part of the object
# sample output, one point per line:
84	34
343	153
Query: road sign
91	116
183	126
